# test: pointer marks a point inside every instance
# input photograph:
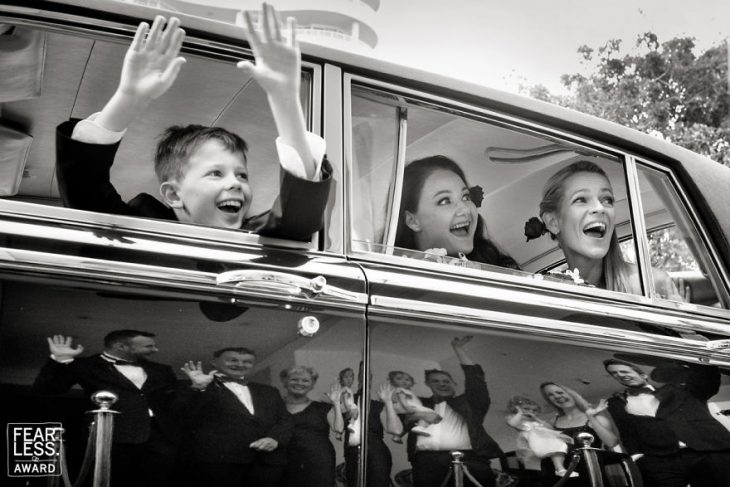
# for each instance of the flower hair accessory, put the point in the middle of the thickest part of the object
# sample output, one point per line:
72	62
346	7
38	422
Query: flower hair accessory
477	195
534	228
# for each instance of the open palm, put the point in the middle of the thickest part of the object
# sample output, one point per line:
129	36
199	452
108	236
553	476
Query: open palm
152	62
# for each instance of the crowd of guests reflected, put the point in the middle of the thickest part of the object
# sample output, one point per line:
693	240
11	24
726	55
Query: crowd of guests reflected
220	428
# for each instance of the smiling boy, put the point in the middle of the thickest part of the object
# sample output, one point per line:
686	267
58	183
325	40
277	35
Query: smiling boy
202	170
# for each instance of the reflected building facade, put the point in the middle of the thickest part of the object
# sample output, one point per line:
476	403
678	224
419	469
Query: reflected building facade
340	24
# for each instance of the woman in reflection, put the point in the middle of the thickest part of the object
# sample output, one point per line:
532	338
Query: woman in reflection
577	210
311	456
438	213
382	418
575	415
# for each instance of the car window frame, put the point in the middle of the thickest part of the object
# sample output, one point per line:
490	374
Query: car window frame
197	44
509	121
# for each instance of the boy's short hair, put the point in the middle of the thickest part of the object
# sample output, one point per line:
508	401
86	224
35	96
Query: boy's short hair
177	144
122	336
241	350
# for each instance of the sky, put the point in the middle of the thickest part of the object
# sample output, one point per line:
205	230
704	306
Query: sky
507	43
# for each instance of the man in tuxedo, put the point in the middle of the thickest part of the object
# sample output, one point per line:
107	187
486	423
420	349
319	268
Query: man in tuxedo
238	430
145	435
460	429
669	430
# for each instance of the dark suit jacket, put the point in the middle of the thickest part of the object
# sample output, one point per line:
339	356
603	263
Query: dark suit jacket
682	416
83	172
472	406
220	428
95	374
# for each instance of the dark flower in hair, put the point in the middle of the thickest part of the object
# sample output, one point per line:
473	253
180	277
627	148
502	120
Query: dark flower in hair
534	228
477	195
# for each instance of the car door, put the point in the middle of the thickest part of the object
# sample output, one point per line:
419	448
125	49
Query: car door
198	289
531	328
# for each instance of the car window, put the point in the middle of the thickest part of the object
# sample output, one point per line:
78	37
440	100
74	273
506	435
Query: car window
506	167
679	257
79	74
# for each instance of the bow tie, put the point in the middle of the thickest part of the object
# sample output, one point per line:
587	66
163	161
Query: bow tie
635	391
225	378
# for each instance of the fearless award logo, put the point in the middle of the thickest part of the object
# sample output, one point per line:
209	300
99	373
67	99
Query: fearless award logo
34	449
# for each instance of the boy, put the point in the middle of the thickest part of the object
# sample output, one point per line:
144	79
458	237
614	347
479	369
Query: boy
201	170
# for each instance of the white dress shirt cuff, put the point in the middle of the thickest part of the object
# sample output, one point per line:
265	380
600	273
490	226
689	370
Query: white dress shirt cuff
65	361
90	132
291	161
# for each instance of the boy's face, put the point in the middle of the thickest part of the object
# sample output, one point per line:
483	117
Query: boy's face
214	189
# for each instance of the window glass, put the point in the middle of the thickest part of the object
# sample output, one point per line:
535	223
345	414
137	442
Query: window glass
680	263
419	206
187	331
80	74
504	400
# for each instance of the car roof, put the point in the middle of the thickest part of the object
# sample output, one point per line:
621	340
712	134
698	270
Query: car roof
705	181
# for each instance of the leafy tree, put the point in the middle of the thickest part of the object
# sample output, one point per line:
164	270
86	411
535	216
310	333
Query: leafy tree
663	89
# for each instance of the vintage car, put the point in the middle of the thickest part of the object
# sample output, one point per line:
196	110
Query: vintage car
350	294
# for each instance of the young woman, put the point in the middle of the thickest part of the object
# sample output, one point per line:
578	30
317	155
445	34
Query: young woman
577	210
439	211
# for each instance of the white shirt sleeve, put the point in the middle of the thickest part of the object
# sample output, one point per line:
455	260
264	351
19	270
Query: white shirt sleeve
292	163
90	132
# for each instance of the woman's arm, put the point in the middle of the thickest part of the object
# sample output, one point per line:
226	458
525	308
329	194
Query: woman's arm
388	417
334	415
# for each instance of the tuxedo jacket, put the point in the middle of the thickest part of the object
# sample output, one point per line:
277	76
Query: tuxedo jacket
220	428
83	173
682	415
472	406
95	374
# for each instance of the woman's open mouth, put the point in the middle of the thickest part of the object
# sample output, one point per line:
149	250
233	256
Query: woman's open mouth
460	229
595	230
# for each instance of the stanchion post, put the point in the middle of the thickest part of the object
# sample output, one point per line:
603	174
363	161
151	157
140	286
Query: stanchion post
590	457
104	419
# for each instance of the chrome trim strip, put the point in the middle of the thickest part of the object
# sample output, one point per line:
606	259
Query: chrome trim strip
556	300
547	329
348	159
29	261
400	167
339	155
39	216
643	256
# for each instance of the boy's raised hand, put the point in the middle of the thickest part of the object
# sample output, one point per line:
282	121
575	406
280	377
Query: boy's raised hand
150	67
278	71
152	62
278	60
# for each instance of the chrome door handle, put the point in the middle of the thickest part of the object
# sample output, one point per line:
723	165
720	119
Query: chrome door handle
278	282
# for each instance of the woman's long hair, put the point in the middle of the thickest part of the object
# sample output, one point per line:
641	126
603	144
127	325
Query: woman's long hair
414	177
616	271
